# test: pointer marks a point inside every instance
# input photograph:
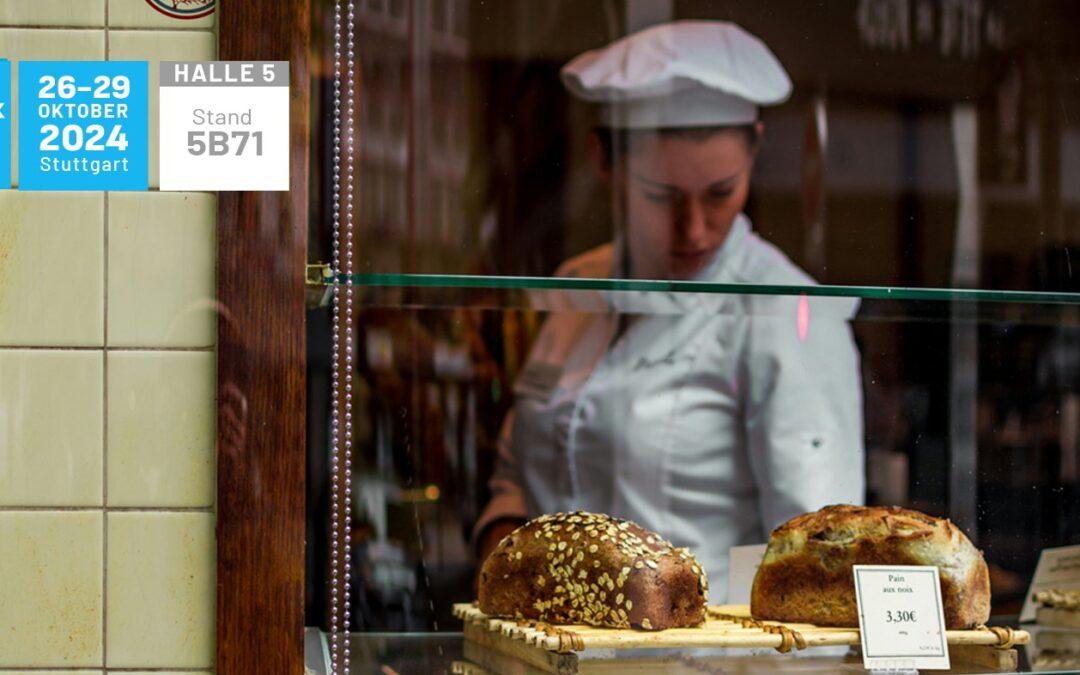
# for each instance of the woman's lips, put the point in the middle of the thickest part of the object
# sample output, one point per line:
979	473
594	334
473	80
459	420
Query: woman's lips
686	256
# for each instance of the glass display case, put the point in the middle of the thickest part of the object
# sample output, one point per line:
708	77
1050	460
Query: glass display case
862	294
891	319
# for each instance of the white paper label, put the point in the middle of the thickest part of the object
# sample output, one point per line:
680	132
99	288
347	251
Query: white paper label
901	618
224	125
742	566
1058	568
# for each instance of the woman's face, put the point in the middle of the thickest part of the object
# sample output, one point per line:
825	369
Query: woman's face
679	195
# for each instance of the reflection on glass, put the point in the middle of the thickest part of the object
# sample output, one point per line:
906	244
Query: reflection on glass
520	250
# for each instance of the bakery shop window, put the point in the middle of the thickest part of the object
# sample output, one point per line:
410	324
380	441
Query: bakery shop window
707	304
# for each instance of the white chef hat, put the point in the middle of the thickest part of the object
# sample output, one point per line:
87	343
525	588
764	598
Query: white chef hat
680	74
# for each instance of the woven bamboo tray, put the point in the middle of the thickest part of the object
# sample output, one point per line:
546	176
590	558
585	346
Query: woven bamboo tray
727	627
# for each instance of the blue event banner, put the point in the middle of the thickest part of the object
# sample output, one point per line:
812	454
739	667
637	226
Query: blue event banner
83	125
5	124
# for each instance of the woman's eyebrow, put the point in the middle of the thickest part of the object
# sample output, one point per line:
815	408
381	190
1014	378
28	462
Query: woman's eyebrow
651	183
723	183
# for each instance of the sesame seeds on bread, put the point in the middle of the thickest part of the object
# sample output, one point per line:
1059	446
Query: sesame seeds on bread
585	568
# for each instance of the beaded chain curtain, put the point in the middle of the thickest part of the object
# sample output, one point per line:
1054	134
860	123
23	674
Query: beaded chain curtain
342	329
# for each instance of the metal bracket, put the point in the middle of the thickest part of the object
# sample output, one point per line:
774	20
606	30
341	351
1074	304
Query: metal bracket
319	285
318	274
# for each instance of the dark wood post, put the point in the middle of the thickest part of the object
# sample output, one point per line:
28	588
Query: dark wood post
262	252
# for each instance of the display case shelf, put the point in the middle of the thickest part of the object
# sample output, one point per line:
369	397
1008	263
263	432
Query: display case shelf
452	281
636	296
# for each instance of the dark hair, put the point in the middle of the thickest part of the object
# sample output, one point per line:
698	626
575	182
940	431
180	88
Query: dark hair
615	142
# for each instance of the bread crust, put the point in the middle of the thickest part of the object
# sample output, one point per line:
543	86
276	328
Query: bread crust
806	577
571	568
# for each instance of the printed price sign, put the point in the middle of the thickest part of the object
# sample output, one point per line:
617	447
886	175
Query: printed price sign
224	125
1058	568
901	619
83	125
5	124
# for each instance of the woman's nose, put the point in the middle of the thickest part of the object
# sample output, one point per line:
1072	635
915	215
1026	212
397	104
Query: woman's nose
692	225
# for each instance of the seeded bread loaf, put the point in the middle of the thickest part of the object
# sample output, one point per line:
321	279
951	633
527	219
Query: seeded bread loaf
806	576
584	568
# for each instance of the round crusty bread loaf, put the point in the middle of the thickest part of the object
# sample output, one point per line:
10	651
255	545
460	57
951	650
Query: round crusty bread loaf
579	567
806	576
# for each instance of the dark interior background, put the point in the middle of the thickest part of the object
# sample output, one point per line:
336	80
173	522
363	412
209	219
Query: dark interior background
471	160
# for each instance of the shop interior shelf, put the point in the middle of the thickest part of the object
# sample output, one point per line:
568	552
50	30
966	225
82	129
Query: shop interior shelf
908	303
661	286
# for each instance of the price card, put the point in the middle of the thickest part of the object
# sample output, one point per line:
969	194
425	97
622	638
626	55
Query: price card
83	125
5	124
901	619
1058	568
224	125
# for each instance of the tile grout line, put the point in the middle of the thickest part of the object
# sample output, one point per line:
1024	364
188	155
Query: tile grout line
86	669
105	423
120	29
21	508
105	446
81	348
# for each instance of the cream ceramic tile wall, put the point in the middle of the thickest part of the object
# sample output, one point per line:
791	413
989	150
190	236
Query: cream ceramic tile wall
52	672
161	672
52	268
51	589
89	13
50	427
162	250
161	599
161	438
107	382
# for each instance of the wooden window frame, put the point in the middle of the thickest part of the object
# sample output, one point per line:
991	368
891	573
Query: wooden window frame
262	253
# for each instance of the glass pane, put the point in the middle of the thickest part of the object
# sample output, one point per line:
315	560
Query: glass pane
863	293
856	181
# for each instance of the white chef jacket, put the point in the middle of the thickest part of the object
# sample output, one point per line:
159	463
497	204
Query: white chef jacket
711	419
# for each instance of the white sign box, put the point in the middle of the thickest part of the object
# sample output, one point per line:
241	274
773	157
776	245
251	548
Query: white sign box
901	617
224	125
1058	568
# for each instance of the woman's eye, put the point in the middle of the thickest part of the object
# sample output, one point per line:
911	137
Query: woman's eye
720	195
658	197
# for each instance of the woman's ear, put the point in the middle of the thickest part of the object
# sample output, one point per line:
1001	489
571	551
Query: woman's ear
759	137
599	159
